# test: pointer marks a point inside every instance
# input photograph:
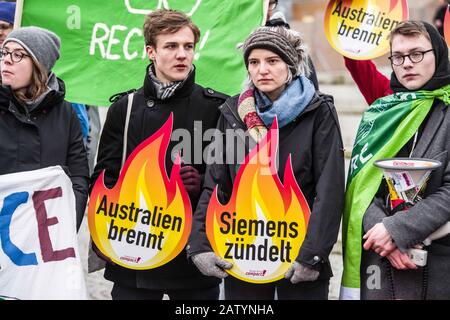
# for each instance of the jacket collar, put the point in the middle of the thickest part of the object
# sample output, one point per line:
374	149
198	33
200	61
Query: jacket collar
182	91
430	130
52	98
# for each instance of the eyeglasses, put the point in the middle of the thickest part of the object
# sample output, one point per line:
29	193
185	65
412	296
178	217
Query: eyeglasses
273	4
415	57
16	56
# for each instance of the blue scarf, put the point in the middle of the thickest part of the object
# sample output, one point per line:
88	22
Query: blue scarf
289	105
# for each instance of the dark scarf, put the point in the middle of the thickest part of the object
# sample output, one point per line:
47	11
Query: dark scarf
441	76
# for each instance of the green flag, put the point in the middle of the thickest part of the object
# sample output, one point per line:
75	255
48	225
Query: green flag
386	126
102	50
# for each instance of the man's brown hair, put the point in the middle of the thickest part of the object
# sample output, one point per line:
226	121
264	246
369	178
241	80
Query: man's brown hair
164	21
409	28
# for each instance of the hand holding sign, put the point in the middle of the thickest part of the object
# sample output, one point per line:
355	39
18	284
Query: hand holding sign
300	273
211	265
145	220
192	180
358	29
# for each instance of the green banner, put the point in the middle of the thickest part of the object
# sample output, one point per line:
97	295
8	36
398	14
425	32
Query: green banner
102	50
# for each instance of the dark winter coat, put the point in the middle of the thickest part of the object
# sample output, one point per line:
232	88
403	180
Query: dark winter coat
48	135
189	104
314	141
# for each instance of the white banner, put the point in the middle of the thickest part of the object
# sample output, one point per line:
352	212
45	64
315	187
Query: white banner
39	256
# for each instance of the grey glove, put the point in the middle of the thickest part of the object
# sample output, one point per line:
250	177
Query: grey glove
211	265
298	272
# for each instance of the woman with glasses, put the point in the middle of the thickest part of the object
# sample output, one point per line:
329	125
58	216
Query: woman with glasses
413	122
38	128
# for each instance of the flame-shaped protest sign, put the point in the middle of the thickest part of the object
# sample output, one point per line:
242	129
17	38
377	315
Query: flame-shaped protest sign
447	26
263	226
145	220
358	29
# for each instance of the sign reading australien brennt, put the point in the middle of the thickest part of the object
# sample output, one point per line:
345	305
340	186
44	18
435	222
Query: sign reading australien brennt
145	220
358	29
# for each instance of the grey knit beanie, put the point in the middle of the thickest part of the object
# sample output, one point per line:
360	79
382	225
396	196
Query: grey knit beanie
42	44
286	43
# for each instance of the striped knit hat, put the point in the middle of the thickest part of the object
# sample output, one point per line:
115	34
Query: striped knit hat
286	43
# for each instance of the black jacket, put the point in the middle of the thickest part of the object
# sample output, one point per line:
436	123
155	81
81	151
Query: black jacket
314	141
190	103
48	135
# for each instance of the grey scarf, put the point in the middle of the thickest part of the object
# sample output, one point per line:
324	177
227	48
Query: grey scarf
164	90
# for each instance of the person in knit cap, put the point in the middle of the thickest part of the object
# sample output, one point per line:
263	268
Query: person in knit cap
39	128
7	12
309	135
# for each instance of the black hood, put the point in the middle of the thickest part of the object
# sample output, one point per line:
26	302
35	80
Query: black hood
441	75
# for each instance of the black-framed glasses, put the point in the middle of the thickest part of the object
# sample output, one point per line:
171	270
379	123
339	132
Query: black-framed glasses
415	57
273	4
16	55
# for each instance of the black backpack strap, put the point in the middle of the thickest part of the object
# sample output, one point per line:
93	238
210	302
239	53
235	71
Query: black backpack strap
119	95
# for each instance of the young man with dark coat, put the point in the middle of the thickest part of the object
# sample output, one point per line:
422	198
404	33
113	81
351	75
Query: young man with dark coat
169	87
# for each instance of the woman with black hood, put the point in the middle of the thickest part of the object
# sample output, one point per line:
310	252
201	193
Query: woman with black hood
413	122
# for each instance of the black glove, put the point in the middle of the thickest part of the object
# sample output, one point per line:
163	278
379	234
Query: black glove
192	181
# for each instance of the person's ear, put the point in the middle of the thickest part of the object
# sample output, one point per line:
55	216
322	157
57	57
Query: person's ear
151	51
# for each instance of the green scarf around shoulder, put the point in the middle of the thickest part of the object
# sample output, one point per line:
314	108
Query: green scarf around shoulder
386	126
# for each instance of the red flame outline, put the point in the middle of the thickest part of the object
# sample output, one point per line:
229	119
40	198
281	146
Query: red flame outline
171	183
290	183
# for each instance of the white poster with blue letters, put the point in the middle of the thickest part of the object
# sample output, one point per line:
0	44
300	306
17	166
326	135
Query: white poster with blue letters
39	256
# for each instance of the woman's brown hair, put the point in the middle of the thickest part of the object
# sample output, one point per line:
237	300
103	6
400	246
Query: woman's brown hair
38	84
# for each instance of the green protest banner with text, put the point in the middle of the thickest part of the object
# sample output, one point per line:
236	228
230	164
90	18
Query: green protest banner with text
102	51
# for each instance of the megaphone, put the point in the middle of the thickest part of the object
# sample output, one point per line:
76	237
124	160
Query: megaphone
406	179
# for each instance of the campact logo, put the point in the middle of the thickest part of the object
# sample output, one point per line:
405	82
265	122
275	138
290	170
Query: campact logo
256	273
130	259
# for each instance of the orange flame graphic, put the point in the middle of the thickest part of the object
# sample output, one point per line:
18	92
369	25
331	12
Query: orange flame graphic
145	220
264	223
358	29
447	26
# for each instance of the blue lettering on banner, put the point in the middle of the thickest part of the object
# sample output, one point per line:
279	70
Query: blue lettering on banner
10	205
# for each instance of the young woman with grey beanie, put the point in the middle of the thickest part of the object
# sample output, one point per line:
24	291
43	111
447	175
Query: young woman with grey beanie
309	134
38	128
